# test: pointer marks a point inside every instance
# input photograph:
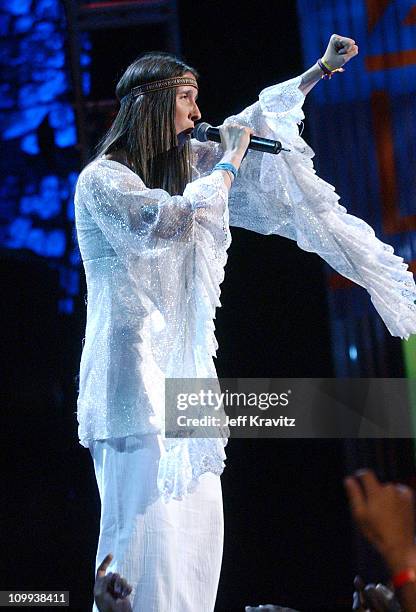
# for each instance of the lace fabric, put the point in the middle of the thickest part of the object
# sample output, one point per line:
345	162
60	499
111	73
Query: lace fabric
154	264
281	194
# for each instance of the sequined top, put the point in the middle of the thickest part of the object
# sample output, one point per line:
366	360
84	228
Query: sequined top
154	264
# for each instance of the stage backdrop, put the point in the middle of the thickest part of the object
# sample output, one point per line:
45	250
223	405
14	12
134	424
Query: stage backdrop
40	161
363	126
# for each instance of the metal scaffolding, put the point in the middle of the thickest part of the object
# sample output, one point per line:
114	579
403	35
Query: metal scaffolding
110	14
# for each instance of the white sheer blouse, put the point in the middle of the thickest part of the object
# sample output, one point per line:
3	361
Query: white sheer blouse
154	264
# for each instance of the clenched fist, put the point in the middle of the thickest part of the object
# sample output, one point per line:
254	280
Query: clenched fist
339	51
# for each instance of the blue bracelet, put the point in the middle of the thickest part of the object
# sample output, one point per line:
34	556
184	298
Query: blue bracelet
227	166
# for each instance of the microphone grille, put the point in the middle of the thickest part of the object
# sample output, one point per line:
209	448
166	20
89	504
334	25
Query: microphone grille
200	132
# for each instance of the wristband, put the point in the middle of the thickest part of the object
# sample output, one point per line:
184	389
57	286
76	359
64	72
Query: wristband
327	70
330	68
404	577
228	167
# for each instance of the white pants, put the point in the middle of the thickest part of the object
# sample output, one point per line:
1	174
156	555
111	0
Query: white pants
170	553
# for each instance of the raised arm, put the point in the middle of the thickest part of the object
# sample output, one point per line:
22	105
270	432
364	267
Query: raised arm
280	106
281	194
339	51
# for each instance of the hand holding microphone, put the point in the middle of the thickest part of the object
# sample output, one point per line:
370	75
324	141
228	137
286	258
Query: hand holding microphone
234	138
203	132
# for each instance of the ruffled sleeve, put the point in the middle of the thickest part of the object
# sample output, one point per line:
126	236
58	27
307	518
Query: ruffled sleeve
281	194
135	220
188	234
173	249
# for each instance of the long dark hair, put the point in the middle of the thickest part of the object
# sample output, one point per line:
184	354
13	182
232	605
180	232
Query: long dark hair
145	125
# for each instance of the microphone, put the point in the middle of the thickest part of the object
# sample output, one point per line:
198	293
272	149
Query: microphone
203	132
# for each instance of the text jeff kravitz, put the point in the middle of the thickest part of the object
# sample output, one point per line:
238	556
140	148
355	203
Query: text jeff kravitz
240	421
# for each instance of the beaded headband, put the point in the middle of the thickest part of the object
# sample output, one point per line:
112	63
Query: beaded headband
159	85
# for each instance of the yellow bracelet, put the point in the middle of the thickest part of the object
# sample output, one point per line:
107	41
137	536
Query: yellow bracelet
328	66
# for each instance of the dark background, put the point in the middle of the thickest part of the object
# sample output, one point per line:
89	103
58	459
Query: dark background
288	537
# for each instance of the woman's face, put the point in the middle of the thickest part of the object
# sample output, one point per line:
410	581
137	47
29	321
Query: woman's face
187	111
